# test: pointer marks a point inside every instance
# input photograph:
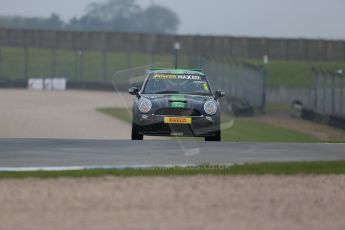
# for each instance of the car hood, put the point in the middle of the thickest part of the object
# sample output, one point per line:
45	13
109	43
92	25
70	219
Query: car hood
177	101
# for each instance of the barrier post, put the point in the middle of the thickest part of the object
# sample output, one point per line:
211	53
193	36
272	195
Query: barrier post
177	47
341	101
26	63
53	73
332	93
81	64
105	62
316	90
264	88
0	63
76	65
129	59
324	84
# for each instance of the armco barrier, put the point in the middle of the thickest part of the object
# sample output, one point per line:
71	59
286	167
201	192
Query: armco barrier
308	114
337	121
5	83
22	84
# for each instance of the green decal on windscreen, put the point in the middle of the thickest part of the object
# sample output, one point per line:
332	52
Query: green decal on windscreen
178	105
206	87
177	98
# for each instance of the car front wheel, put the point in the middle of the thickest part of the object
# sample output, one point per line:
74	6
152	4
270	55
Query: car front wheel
136	136
217	137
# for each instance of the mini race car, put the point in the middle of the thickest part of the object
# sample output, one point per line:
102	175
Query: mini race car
175	102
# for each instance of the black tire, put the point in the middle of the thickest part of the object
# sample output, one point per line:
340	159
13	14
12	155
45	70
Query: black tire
136	136
217	137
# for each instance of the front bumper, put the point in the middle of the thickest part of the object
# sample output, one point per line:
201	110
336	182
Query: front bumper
153	125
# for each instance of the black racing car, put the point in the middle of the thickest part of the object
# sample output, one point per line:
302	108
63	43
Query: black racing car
176	103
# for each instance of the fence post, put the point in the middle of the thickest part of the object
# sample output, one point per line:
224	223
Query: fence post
341	94
264	88
129	59
306	50
316	90
153	57
213	73
76	65
216	73
203	63
323	102
333	93
81	64
0	63
53	63
105	62
26	62
224	73
235	79
230	83
344	51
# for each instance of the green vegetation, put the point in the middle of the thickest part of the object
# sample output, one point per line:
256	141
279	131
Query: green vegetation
75	66
244	129
288	168
247	129
90	67
119	113
294	73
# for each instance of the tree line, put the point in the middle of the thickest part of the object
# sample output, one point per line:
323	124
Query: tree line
113	15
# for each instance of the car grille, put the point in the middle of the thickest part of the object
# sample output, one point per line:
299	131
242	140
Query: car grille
177	112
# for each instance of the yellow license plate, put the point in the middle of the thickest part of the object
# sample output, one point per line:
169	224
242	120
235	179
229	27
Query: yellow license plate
178	120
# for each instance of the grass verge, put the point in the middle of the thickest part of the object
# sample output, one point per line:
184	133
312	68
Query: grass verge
294	73
119	113
247	129
288	168
68	64
244	129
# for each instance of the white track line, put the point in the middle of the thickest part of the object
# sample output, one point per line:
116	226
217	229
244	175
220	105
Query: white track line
101	167
73	168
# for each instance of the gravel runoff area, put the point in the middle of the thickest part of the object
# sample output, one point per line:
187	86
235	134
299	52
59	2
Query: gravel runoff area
200	202
69	115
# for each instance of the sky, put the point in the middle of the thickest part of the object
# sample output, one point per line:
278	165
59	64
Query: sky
254	18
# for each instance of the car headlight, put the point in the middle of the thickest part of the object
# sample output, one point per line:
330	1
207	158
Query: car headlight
210	107
144	105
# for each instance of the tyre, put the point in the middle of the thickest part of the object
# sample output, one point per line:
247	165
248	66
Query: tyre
136	136
216	137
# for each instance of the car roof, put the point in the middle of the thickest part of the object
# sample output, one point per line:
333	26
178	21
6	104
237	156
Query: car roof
176	71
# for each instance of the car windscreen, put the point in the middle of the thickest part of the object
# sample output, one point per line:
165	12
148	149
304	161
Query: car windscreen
177	84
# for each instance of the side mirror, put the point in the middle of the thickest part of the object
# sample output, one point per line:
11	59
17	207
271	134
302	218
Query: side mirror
219	94
134	91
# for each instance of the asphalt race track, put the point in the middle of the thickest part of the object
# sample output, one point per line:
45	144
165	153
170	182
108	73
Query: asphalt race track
21	153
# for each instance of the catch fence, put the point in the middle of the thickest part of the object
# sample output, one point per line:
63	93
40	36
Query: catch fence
327	98
244	84
328	92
